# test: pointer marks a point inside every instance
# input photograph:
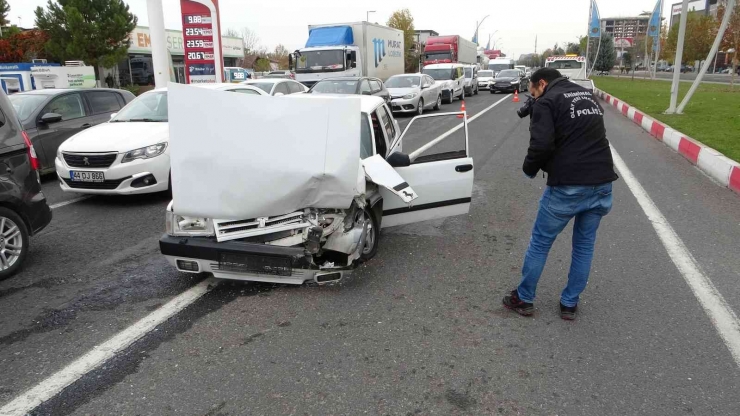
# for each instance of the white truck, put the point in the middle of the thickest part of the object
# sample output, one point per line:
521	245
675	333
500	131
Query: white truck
359	49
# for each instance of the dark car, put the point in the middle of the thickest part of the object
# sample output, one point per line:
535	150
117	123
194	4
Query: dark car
52	116
23	208
509	80
349	85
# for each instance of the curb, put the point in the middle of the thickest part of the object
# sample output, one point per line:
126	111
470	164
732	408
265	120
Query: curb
721	168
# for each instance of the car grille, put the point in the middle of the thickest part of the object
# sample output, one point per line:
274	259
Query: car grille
90	161
230	230
108	184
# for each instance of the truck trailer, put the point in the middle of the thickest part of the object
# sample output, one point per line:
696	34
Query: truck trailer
450	49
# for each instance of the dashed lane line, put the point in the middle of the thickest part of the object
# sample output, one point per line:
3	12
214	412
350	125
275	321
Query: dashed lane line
69	202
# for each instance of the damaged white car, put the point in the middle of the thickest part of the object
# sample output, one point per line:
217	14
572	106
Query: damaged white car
297	189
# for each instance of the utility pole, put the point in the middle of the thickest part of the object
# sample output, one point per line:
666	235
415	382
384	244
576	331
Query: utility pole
535	44
679	58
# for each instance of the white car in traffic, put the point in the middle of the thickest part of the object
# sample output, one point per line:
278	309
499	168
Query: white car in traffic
485	77
413	93
130	153
277	86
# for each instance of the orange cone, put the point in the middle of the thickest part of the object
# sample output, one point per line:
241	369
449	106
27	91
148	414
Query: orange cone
516	96
462	108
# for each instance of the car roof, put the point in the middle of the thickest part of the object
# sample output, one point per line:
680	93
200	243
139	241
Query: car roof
443	66
57	91
262	80
348	79
214	86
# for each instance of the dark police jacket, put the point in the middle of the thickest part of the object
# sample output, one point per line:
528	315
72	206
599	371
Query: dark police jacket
567	137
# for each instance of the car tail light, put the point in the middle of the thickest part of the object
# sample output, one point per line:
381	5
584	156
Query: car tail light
31	152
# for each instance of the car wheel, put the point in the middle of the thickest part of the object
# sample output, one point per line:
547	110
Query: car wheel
420	107
14	243
372	236
492	91
476	91
438	105
462	95
452	97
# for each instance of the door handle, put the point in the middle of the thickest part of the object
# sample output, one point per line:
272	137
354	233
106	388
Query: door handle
463	168
86	126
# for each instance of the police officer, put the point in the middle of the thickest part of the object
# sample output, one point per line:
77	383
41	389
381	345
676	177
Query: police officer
568	142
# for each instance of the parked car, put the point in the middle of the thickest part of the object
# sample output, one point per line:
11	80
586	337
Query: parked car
23	208
129	154
277	86
509	80
485	76
314	221
413	93
352	85
450	77
52	116
471	79
281	73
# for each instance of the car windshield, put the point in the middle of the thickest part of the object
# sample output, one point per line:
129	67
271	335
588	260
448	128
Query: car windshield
26	104
151	106
335	87
403	82
437	56
484	74
468	72
511	73
264	86
440	74
320	60
498	67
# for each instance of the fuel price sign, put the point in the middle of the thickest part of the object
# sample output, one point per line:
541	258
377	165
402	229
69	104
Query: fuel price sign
200	28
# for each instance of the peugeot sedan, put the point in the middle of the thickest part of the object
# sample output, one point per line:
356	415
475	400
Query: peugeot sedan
414	93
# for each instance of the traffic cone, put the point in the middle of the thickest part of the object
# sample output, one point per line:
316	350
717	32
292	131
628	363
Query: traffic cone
516	96
462	108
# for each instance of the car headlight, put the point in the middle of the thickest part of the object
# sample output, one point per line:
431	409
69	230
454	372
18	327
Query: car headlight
178	225
410	96
144	152
514	82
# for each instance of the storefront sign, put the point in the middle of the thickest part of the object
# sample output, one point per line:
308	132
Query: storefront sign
140	41
200	28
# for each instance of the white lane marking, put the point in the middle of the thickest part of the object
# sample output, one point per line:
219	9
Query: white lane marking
70	202
57	382
446	134
720	313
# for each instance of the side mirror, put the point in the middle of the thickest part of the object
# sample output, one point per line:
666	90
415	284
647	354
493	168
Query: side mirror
113	115
425	86
398	160
49	118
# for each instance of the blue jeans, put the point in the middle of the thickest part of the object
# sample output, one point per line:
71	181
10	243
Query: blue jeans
558	205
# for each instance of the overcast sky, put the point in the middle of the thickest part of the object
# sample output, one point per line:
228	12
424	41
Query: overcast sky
286	21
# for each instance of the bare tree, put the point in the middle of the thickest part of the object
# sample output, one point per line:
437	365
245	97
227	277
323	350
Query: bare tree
232	33
251	40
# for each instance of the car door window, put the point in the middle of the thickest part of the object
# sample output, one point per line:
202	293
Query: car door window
366	138
375	85
387	121
295	87
282	88
364	86
380	145
69	106
103	102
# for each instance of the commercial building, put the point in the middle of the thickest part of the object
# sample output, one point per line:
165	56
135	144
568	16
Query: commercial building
625	29
706	7
137	68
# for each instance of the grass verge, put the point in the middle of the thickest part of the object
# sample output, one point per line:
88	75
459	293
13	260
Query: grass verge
711	117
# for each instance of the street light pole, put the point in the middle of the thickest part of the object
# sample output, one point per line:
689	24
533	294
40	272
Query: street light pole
478	26
367	15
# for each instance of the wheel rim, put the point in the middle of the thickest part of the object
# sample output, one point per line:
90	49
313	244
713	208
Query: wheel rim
439	101
420	109
370	236
11	243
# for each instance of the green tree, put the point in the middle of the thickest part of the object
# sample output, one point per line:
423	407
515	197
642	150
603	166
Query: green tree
607	56
402	20
700	33
4	10
573	48
95	31
582	42
627	59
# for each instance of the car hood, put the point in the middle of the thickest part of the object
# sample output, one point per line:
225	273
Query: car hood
117	137
484	79
400	92
506	79
443	82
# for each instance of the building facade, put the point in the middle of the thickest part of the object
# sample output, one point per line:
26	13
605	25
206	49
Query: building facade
624	30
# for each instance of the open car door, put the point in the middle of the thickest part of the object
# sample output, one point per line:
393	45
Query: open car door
440	174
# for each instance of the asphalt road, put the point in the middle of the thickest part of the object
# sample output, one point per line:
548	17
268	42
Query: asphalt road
417	330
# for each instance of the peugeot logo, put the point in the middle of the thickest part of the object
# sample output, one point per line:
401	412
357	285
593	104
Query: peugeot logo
86	161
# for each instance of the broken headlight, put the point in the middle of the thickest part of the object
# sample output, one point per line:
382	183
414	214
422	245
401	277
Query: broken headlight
182	226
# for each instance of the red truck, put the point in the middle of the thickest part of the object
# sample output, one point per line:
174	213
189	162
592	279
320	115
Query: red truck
450	49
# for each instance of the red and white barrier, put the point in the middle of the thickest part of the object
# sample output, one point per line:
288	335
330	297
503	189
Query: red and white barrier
712	162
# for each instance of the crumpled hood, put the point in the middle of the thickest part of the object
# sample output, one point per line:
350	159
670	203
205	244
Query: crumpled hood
117	137
400	92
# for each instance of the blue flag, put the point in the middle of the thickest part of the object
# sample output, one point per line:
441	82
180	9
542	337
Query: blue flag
654	25
475	38
594	29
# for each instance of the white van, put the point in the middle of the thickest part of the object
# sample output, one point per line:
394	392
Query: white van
451	78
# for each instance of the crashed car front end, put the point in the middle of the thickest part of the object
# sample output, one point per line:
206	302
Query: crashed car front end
318	245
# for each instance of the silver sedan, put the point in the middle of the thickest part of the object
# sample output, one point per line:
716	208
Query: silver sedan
413	93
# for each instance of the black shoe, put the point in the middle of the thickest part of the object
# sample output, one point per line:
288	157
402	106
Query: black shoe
513	302
568	312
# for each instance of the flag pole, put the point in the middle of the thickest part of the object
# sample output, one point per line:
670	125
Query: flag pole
656	49
588	34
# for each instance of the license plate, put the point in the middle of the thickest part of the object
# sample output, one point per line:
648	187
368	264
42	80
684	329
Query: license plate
251	263
81	176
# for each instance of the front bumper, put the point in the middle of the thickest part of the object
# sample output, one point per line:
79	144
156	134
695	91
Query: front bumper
483	85
503	88
120	178
207	253
399	105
